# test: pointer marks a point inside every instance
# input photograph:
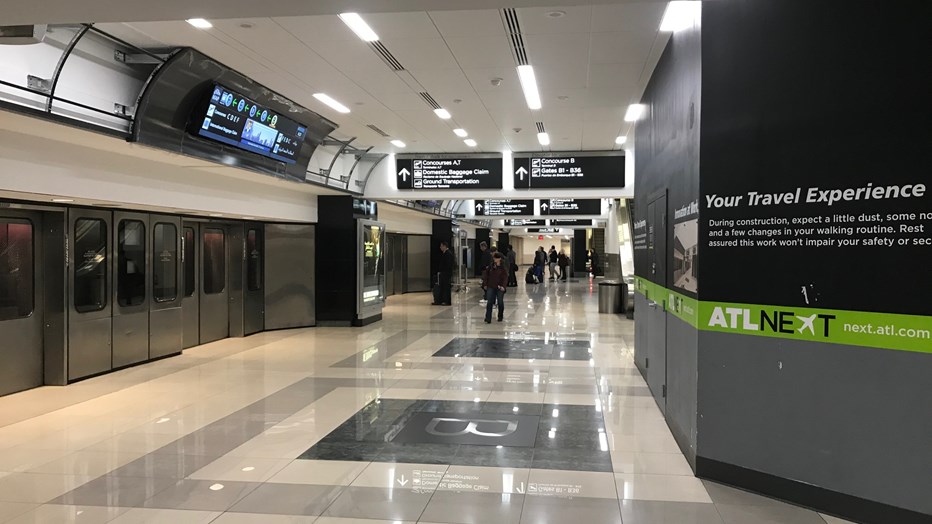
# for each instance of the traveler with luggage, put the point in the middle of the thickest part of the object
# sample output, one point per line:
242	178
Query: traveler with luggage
563	262
512	258
552	262
444	296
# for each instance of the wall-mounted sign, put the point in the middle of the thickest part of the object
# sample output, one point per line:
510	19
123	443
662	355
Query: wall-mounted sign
548	230
571	206
365	208
571	222
236	120
569	171
448	173
525	223
498	208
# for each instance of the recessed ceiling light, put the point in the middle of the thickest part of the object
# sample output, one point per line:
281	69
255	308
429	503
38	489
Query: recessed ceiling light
216	214
556	14
327	99
529	85
216	487
249	218
461	133
398	143
62	200
470	142
621	140
543	138
442	113
359	26
634	112
200	23
680	15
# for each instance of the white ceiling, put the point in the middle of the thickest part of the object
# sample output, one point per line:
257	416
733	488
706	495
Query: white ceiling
591	62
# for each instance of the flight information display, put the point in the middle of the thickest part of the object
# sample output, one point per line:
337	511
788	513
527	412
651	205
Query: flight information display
569	171
236	120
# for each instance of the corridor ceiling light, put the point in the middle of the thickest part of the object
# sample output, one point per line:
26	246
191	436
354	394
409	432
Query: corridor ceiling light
461	132
470	142
442	113
621	140
398	143
680	15
543	138
62	200
200	23
359	26
529	85
331	102
634	112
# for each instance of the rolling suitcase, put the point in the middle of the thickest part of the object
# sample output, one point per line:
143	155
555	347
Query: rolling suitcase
436	289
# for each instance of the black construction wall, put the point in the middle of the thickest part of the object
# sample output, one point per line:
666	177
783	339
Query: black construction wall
833	94
667	163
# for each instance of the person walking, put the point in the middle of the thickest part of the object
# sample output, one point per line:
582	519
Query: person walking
495	280
485	260
540	260
512	259
563	261
552	262
445	275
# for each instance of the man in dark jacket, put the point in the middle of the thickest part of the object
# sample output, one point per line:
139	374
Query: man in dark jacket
445	270
485	260
495	280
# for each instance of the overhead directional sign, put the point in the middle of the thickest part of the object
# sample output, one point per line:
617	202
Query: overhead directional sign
552	230
571	222
446	172
500	208
569	171
571	206
525	223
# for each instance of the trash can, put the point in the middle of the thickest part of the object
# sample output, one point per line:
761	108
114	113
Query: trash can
610	296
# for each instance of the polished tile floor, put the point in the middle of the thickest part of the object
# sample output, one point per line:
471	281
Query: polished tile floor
429	416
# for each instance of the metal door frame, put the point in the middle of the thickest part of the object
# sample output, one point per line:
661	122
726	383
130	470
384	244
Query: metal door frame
253	300
160	312
77	320
186	300
205	299
660	232
123	316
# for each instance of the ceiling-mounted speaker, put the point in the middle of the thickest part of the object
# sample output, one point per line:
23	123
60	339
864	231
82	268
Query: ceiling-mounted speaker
22	34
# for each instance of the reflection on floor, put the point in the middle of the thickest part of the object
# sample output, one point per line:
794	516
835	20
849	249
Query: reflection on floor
429	416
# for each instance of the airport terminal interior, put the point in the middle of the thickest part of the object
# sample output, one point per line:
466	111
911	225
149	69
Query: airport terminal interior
460	262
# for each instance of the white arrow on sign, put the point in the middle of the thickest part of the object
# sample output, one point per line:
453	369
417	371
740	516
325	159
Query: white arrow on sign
521	489
544	207
478	207
521	172
401	481
404	174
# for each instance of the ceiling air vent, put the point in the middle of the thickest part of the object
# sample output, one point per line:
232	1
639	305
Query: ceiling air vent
386	56
510	18
429	99
377	130
540	127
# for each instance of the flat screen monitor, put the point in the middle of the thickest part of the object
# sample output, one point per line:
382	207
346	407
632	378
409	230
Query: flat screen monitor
235	120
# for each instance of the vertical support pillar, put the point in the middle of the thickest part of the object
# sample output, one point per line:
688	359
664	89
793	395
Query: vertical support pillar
579	251
441	230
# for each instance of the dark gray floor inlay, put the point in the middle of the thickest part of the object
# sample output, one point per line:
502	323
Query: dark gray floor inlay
517	348
393	430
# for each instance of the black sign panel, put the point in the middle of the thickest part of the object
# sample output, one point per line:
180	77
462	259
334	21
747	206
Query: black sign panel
571	206
571	222
569	172
525	223
499	208
448	173
365	208
236	120
551	230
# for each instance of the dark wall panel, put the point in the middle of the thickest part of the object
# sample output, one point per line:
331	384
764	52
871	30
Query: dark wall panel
336	259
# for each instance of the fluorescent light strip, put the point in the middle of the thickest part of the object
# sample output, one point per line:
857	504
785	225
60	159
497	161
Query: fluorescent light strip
359	26
529	85
442	113
331	102
398	143
634	112
200	23
680	15
470	142
543	138
621	140
461	133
